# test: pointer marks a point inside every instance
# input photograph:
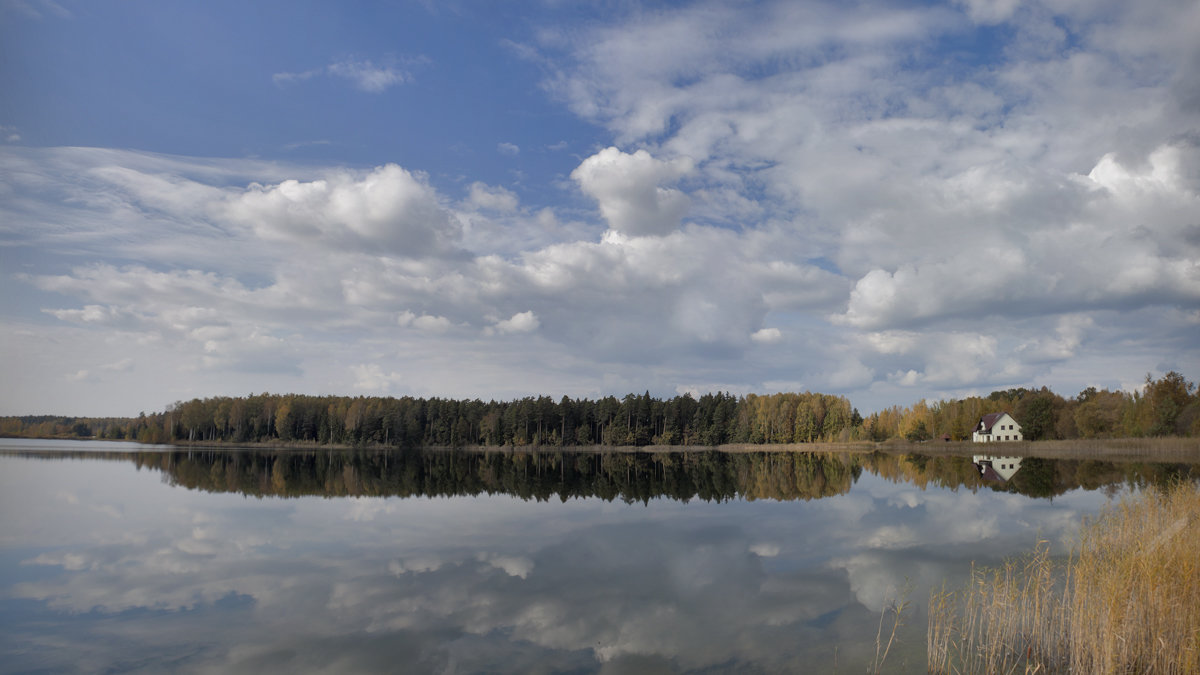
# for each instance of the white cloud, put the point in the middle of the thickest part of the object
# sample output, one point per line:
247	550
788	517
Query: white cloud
493	198
767	336
35	9
389	210
1069	335
901	217
511	149
847	373
367	76
628	189
370	377
522	322
513	566
765	549
362	73
990	11
425	322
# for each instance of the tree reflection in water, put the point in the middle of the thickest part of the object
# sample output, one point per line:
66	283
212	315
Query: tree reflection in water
627	476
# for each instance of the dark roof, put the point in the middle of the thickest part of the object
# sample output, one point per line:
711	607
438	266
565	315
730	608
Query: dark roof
989	473
985	424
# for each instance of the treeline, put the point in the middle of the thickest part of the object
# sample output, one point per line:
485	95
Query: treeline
59	426
1168	406
635	420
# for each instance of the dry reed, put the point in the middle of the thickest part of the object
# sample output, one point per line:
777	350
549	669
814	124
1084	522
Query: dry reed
897	607
1127	600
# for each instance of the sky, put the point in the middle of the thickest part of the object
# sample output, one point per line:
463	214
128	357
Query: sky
891	201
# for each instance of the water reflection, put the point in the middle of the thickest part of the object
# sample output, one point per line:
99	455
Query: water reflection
996	468
628	477
451	562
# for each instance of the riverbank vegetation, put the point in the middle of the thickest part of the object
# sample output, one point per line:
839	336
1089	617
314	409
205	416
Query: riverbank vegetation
1169	406
1125	601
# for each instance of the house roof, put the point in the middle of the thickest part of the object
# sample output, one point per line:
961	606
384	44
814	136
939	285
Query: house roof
986	422
989	473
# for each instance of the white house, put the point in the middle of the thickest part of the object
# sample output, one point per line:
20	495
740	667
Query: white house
997	427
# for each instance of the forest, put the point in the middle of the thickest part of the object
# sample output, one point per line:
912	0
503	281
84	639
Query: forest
1167	406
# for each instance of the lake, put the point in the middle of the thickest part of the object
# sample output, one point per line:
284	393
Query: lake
123	557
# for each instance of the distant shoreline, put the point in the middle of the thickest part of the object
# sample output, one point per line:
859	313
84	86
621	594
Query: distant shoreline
1167	449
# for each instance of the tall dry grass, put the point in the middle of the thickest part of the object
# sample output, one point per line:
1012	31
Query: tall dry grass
1127	600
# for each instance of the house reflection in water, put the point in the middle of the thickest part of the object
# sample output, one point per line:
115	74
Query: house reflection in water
997	468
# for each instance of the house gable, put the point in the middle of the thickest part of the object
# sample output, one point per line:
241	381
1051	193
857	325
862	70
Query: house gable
995	427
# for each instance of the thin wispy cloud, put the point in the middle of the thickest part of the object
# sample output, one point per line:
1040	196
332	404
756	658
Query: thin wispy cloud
364	74
35	9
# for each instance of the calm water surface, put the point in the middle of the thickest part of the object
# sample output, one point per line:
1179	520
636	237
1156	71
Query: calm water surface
117	557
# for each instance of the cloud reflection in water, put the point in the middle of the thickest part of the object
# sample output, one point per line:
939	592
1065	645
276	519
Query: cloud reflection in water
221	582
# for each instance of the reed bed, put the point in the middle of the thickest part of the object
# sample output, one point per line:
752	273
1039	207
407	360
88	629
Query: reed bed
1127	600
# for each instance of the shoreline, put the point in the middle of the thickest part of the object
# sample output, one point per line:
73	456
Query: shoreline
1160	449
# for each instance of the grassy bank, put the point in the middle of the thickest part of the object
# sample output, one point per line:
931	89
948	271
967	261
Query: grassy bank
1160	449
1127	600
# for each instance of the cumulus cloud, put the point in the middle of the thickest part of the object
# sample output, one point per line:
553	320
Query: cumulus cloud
941	359
522	322
339	252
370	377
844	183
767	336
424	322
628	188
1097	260
1070	332
388	209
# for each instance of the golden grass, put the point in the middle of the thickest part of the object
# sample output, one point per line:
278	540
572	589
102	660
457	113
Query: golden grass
1127	600
1168	449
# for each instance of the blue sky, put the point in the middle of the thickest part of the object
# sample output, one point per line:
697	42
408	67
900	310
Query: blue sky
887	200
